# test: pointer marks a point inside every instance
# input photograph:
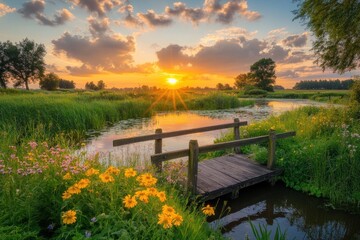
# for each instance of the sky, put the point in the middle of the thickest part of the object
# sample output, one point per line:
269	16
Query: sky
144	42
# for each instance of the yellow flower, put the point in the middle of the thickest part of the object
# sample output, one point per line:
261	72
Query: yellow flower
161	196
74	189
143	196
208	210
112	170
91	171
83	183
66	195
105	177
167	210
152	191
129	201
165	220
146	180
177	219
69	217
130	172
67	176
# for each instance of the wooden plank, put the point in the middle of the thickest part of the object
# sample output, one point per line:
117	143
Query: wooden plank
271	150
285	135
158	149
124	141
251	168
236	135
170	155
193	166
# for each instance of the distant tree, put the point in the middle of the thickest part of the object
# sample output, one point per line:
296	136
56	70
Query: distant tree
324	84
242	80
263	74
49	82
355	90
26	62
101	85
4	63
219	86
335	28
91	86
66	84
278	87
227	87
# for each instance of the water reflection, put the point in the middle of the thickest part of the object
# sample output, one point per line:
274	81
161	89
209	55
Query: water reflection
303	217
102	141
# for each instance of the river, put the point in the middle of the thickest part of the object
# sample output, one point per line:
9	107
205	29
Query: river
302	216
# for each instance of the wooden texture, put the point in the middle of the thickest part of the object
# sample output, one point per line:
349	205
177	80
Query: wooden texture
236	135
125	141
158	149
272	148
229	174
193	166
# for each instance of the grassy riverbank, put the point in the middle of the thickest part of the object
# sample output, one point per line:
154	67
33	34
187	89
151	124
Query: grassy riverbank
323	158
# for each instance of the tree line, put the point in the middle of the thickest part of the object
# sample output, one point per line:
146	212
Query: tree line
324	84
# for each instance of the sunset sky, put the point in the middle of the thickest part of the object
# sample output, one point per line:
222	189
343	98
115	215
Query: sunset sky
144	42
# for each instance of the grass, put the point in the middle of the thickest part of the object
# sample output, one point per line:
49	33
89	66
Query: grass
323	158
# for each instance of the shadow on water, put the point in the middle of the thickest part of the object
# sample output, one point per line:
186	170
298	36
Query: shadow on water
302	216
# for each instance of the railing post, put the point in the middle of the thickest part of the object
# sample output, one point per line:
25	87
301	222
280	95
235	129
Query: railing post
193	166
237	134
272	145
158	149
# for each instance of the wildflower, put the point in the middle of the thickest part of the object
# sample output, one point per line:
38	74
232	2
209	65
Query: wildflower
129	201
33	145
83	144
142	195
208	210
146	180
83	183
91	171
152	191
105	177
74	189
66	195
177	219
67	176
165	220
130	172
69	217
167	210
112	170
93	219
51	226
161	196
87	234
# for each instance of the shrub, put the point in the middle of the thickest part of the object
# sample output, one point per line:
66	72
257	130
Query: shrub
256	92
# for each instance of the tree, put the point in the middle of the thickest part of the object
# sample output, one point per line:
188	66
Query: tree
101	85
335	27
263	74
91	86
242	80
66	84
4	63
219	86
50	82
26	62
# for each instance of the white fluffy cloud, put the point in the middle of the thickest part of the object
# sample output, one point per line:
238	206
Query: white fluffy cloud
5	9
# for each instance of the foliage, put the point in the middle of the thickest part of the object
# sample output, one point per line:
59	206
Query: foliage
256	91
263	74
66	84
221	86
262	233
337	41
49	82
324	84
50	193
96	87
26	62
278	87
355	92
215	101
4	64
243	80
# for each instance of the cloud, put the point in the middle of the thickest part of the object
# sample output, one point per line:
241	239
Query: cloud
231	56
223	13
153	19
35	10
298	40
98	6
4	9
98	28
288	74
299	56
226	33
104	53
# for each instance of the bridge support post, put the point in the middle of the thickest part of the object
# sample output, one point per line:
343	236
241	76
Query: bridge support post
272	145
237	134
193	166
158	149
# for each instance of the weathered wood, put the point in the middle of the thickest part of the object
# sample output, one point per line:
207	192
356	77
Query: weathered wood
285	135
193	166
125	141
170	155
236	135
271	151
158	149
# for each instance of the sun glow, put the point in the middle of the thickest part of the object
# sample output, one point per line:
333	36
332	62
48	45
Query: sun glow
172	81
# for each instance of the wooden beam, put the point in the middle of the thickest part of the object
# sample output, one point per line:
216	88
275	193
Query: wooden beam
236	135
272	148
158	149
193	166
125	141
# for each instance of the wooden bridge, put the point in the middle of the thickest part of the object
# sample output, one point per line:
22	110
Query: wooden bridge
218	176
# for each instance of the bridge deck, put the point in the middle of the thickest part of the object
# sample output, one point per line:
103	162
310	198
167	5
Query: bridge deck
228	174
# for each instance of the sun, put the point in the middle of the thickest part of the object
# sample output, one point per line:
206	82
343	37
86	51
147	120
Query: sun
172	81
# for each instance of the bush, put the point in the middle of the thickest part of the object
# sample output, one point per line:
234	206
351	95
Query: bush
256	92
50	82
355	92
